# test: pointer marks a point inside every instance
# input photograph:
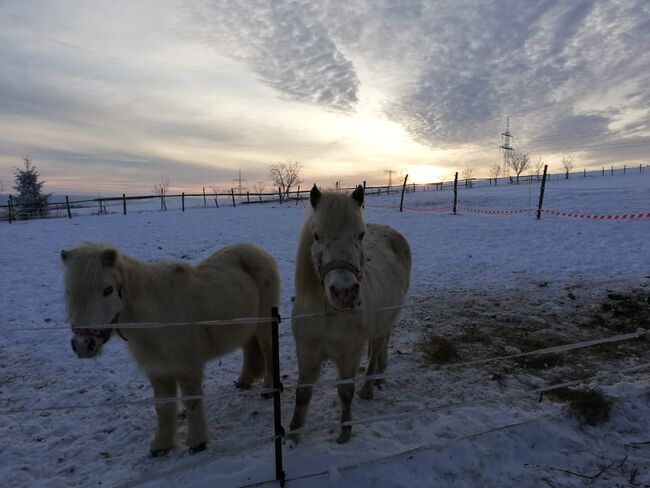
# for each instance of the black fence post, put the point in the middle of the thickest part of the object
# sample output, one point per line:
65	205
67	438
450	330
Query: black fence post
248	196
232	194
585	173
401	200
277	387
603	171
183	202
624	168
205	202
455	191
10	206
280	193
612	170
124	203
298	195
67	205
541	194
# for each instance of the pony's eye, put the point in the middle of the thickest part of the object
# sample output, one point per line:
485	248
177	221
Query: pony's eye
108	290
361	235
315	236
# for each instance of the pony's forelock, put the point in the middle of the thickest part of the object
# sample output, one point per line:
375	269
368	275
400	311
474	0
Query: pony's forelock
337	212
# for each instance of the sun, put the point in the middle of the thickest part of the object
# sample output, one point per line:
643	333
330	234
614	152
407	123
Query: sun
424	174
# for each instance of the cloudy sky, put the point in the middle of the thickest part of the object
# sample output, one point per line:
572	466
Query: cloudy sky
110	96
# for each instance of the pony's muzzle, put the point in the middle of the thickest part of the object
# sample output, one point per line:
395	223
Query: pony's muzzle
85	346
344	298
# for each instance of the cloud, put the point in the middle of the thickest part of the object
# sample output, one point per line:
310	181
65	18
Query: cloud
284	44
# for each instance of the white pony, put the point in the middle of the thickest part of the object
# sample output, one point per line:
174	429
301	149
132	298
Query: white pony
344	265
103	286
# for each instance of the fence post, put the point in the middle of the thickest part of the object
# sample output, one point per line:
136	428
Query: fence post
280	193
183	201
10	208
363	205
585	175
277	387
67	205
124	203
612	170
248	196
603	171
624	168
232	194
541	194
455	191
205	203
261	201
401	201
298	195
639	168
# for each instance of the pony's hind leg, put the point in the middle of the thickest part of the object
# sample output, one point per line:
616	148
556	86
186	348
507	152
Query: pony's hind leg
191	385
309	364
253	365
163	442
347	367
377	360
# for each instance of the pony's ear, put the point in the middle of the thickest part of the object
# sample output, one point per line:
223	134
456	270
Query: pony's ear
314	196
357	195
109	256
65	255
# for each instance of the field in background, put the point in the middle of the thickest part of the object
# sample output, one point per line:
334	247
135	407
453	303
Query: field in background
489	284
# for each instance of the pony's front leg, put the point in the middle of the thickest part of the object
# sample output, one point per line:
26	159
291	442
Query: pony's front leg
309	364
347	367
164	440
191	385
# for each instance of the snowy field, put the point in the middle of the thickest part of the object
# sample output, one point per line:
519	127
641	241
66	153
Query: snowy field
498	285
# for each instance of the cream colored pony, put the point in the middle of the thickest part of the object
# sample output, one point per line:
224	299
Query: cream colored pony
344	265
103	286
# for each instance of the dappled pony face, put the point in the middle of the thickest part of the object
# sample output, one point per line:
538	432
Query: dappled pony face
337	245
92	296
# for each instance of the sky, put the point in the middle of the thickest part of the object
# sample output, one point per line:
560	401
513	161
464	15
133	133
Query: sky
111	96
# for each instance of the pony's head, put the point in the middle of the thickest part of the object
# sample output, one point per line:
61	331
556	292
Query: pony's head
93	295
337	231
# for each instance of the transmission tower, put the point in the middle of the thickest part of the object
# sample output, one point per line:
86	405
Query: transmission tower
506	147
390	173
239	182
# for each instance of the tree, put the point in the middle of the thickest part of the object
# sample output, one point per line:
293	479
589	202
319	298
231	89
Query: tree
567	164
30	200
259	187
495	171
539	166
519	162
286	175
466	174
161	189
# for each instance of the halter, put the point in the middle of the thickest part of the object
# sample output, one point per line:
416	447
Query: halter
103	334
340	264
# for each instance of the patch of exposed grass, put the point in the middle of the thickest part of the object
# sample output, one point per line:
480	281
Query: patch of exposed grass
474	335
589	405
437	349
541	361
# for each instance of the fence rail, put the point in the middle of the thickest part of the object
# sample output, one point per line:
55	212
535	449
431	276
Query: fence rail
10	211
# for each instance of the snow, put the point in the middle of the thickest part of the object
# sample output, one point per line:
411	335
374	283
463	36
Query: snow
457	426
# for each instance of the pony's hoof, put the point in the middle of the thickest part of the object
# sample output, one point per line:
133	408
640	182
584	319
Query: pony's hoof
242	385
198	448
159	452
293	437
344	436
366	393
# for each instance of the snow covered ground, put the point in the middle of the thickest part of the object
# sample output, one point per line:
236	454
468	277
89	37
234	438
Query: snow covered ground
499	284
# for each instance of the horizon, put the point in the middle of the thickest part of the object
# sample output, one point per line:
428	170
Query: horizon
113	97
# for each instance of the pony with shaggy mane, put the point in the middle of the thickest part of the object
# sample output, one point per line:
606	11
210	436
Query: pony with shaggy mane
345	271
104	286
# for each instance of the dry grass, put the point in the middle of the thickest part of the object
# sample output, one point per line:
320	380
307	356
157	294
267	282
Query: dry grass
437	349
590	406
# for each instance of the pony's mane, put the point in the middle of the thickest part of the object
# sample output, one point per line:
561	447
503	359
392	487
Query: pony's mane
337	212
84	263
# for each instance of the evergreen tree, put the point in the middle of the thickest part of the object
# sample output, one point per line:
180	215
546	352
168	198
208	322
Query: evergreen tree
30	199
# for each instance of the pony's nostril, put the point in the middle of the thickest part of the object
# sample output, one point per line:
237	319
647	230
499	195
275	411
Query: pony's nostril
333	291
73	344
355	288
91	345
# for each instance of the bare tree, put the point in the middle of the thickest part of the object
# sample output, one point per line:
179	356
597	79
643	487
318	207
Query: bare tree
495	171
466	174
538	167
519	162
259	187
160	190
286	175
568	162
